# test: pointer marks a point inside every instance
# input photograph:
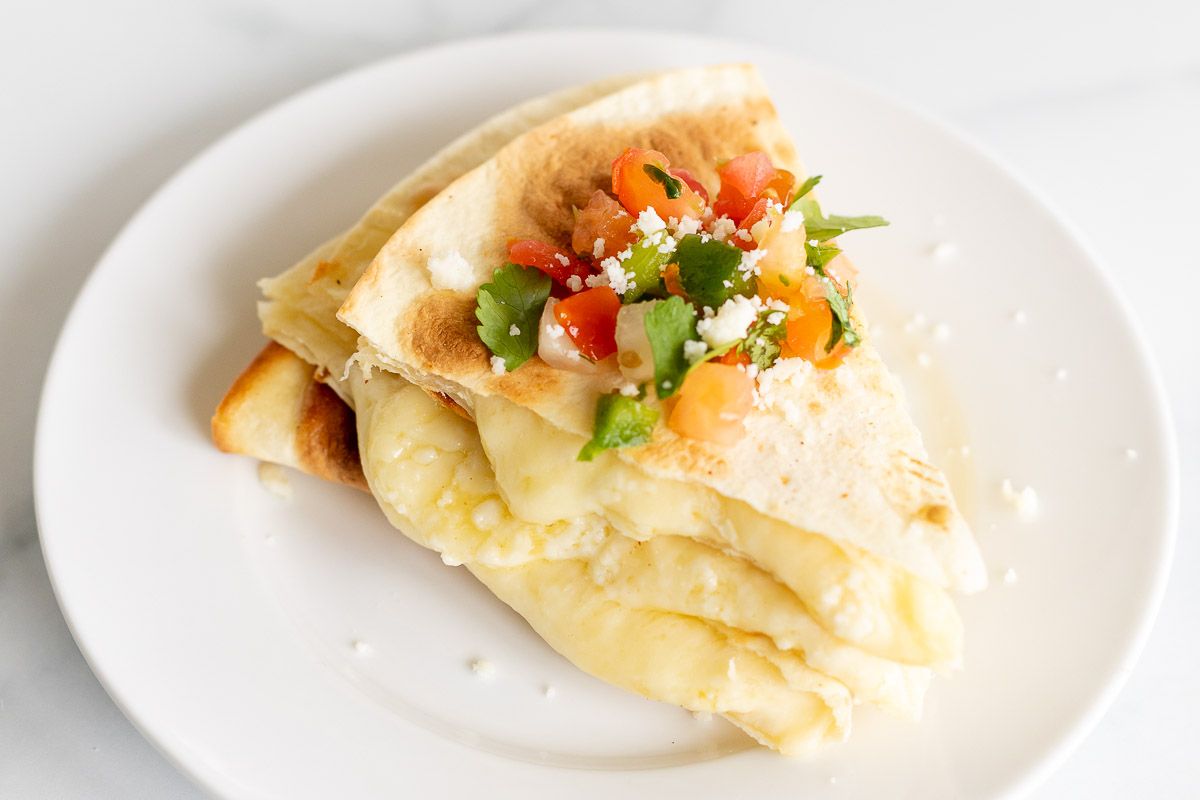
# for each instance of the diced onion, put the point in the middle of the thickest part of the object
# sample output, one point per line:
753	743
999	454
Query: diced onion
559	351
634	354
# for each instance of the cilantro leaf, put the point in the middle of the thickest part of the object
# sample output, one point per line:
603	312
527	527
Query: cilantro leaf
671	185
842	328
515	297
668	325
762	340
820	254
620	422
804	189
825	228
710	272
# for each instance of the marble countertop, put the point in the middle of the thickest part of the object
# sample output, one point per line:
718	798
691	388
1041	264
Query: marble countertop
103	101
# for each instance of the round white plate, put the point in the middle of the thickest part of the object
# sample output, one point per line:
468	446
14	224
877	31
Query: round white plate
302	648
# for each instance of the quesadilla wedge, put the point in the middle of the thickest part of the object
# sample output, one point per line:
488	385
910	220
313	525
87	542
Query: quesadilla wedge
639	598
614	591
824	482
658	606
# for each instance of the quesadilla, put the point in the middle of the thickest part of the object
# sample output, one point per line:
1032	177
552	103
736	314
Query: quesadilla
821	442
707	599
666	619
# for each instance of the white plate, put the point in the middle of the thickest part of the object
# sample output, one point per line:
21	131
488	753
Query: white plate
223	619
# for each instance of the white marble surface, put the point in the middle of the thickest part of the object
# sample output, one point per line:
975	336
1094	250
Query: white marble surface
1097	104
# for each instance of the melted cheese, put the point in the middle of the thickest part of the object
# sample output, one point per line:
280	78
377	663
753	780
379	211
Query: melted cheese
857	597
428	469
772	695
425	464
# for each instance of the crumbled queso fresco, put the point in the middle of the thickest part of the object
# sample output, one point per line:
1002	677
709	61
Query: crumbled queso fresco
729	323
485	670
694	351
1024	501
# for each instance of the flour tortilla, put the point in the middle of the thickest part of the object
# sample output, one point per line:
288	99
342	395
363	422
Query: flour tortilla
277	411
835	453
301	303
781	701
634	586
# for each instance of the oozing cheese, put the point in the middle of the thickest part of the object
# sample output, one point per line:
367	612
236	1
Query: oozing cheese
428	470
883	609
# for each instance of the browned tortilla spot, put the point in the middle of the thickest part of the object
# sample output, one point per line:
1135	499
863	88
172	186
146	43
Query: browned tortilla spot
322	270
937	515
446	401
443	334
580	158
326	437
277	411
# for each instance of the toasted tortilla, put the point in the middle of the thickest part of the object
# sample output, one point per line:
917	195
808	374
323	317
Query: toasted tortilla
278	411
642	607
834	452
299	306
632	613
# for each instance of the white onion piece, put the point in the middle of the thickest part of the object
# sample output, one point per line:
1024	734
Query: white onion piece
634	354
559	351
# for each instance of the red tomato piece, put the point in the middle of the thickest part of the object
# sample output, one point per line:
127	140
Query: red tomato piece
602	218
559	264
691	180
712	402
733	358
638	190
743	180
590	319
780	186
809	326
842	271
757	213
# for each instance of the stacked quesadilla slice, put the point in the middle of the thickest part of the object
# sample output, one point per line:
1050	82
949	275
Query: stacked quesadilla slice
775	580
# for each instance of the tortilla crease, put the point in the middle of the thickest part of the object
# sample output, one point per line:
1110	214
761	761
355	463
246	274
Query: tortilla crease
833	452
277	411
671	618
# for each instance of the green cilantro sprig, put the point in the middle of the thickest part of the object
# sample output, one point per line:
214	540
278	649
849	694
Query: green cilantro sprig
818	230
515	297
671	185
842	328
668	325
762	340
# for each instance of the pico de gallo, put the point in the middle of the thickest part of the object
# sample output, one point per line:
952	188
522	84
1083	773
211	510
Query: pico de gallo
688	296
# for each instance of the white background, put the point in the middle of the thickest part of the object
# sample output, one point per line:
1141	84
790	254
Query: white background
1095	103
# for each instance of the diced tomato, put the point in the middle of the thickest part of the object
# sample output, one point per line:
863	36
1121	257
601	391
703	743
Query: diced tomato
602	218
743	180
759	212
809	326
671	280
559	264
733	358
842	271
590	319
779	188
638	190
691	180
712	402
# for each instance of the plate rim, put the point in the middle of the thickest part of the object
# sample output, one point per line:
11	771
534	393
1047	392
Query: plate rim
1073	735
